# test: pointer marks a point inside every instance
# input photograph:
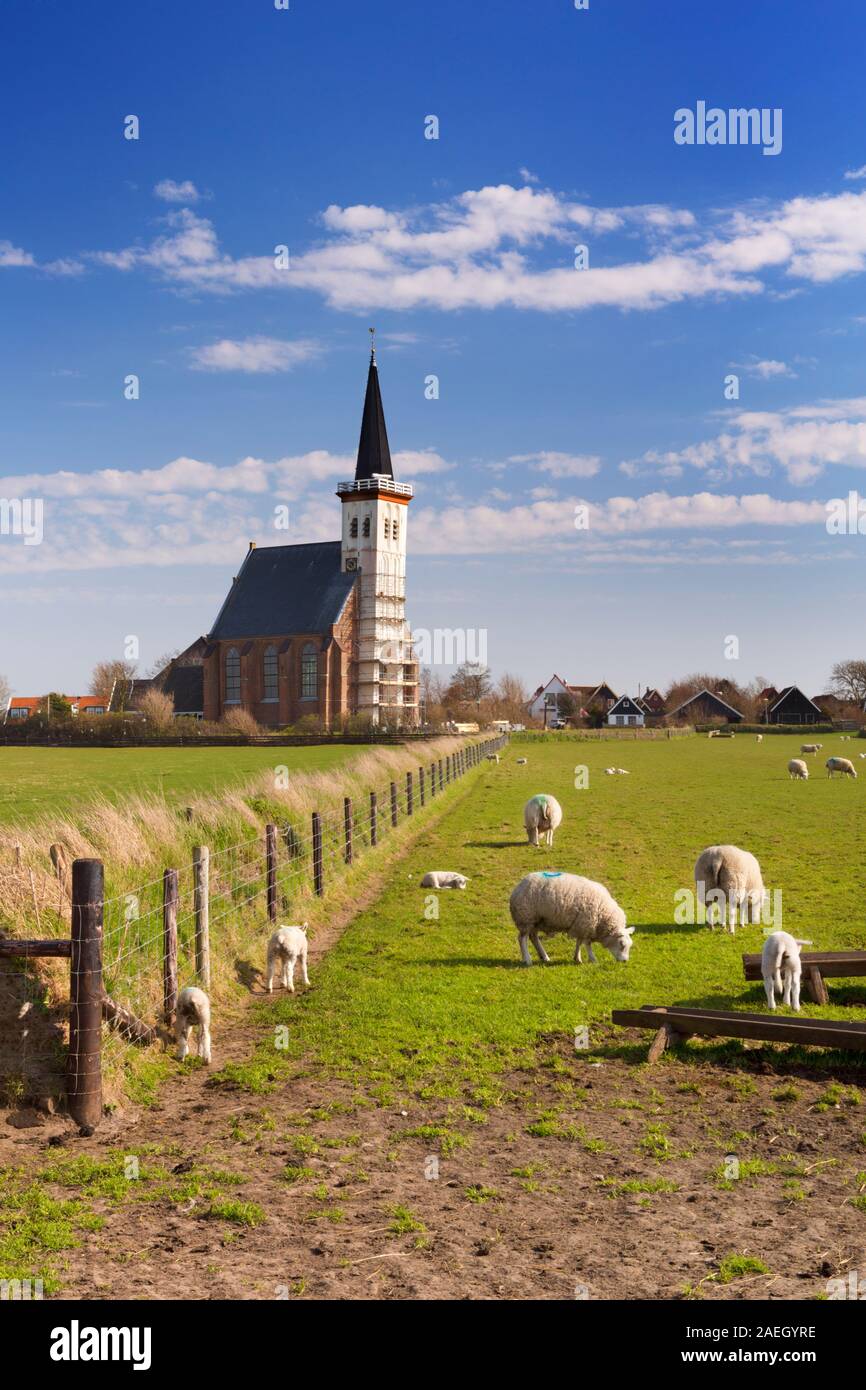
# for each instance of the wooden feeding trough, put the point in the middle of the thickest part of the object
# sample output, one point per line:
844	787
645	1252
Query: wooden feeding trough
672	1024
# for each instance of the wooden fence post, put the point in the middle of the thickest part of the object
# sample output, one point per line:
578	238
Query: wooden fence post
84	1061
318	869
432	779
441	783
271	870
169	943
201	897
348	828
409	803
374	819
394	804
421	785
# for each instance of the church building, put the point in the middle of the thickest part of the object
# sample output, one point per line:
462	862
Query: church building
320	629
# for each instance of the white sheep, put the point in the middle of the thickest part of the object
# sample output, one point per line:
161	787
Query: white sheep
583	910
541	816
811	747
443	878
286	948
730	878
493	757
843	766
861	755
521	762
781	968
610	771
192	1011
622	772
798	770
759	738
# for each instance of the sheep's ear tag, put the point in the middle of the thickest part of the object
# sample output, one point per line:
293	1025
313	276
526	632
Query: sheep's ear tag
551	873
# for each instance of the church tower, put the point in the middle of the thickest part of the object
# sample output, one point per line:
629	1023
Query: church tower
375	514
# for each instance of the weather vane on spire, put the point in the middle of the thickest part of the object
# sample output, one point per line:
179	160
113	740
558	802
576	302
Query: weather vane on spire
373	344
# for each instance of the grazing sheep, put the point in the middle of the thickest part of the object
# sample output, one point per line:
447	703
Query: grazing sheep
610	771
811	747
541	816
493	757
521	762
781	969
759	738
584	910
733	877
443	878
622	772
798	770
193	1011
861	755
843	766
287	946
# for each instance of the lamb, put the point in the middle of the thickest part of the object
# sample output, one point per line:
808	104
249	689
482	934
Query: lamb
541	816
781	968
493	757
610	771
733	878
843	766
798	770
578	907
192	1011
759	738
443	878
811	747
622	772
287	946
521	762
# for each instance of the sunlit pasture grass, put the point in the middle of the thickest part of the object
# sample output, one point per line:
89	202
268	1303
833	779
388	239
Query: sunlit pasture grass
445	1003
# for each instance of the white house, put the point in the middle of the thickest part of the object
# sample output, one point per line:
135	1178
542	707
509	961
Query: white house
546	697
626	713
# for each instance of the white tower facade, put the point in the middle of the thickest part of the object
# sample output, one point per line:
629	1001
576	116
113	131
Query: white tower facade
375	523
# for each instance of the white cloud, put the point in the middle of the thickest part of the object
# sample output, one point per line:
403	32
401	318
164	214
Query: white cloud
856	173
13	255
171	192
803	441
503	246
256	354
527	175
766	368
559	465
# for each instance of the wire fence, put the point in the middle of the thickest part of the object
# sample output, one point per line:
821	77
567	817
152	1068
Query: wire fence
125	955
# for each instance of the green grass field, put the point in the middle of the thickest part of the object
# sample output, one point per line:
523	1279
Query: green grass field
441	1007
36	781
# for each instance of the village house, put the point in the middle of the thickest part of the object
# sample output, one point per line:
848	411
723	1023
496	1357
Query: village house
626	713
791	706
705	706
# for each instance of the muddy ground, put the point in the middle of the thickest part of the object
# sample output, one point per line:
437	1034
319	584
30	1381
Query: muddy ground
511	1214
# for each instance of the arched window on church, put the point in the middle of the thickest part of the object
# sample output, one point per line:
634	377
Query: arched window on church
387	528
233	676
395	529
366	526
270	675
353	528
309	673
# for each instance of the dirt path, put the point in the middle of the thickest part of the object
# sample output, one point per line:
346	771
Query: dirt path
510	1214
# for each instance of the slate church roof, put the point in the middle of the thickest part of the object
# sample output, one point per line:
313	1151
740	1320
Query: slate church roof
284	590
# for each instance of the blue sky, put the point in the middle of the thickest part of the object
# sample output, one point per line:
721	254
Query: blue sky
558	387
